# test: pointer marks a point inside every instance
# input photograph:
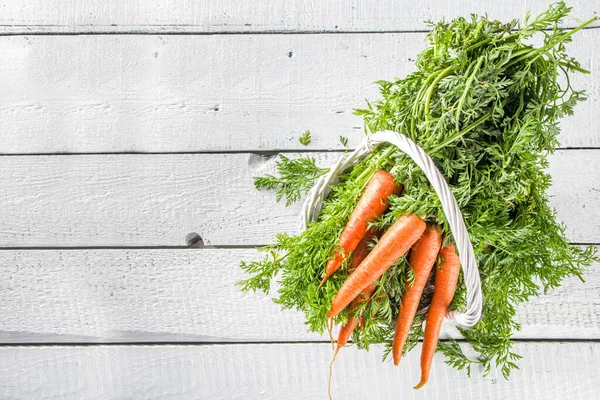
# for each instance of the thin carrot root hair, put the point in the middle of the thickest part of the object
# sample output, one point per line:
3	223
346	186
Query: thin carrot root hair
331	370
330	331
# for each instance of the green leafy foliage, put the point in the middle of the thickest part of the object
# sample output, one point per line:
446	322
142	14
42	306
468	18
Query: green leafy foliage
305	138
344	141
485	105
295	176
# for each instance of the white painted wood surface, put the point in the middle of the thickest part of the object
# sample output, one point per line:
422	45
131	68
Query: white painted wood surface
549	371
242	77
156	200
218	16
190	295
215	93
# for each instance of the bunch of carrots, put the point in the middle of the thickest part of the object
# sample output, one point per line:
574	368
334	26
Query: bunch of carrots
409	232
485	104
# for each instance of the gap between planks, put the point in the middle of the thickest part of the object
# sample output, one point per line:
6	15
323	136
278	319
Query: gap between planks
200	248
252	343
264	153
180	30
171	31
276	16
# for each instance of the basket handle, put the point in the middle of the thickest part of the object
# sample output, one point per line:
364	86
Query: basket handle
314	201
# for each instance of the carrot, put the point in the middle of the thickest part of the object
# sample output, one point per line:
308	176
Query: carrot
392	245
347	329
445	284
371	205
421	260
359	254
362	249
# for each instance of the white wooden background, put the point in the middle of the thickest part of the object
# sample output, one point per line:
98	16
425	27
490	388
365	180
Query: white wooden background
126	125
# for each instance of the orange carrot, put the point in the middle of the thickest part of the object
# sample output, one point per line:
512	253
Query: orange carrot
362	249
360	253
392	245
445	285
371	205
343	337
421	260
347	329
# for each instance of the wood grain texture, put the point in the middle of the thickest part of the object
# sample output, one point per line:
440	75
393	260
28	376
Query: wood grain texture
233	85
157	200
549	371
80	296
189	16
81	94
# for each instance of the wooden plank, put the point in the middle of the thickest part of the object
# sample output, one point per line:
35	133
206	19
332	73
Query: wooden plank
103	93
573	195
549	371
189	16
157	200
80	296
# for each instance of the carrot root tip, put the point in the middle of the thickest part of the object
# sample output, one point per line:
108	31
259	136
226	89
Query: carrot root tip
331	371
322	282
421	384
